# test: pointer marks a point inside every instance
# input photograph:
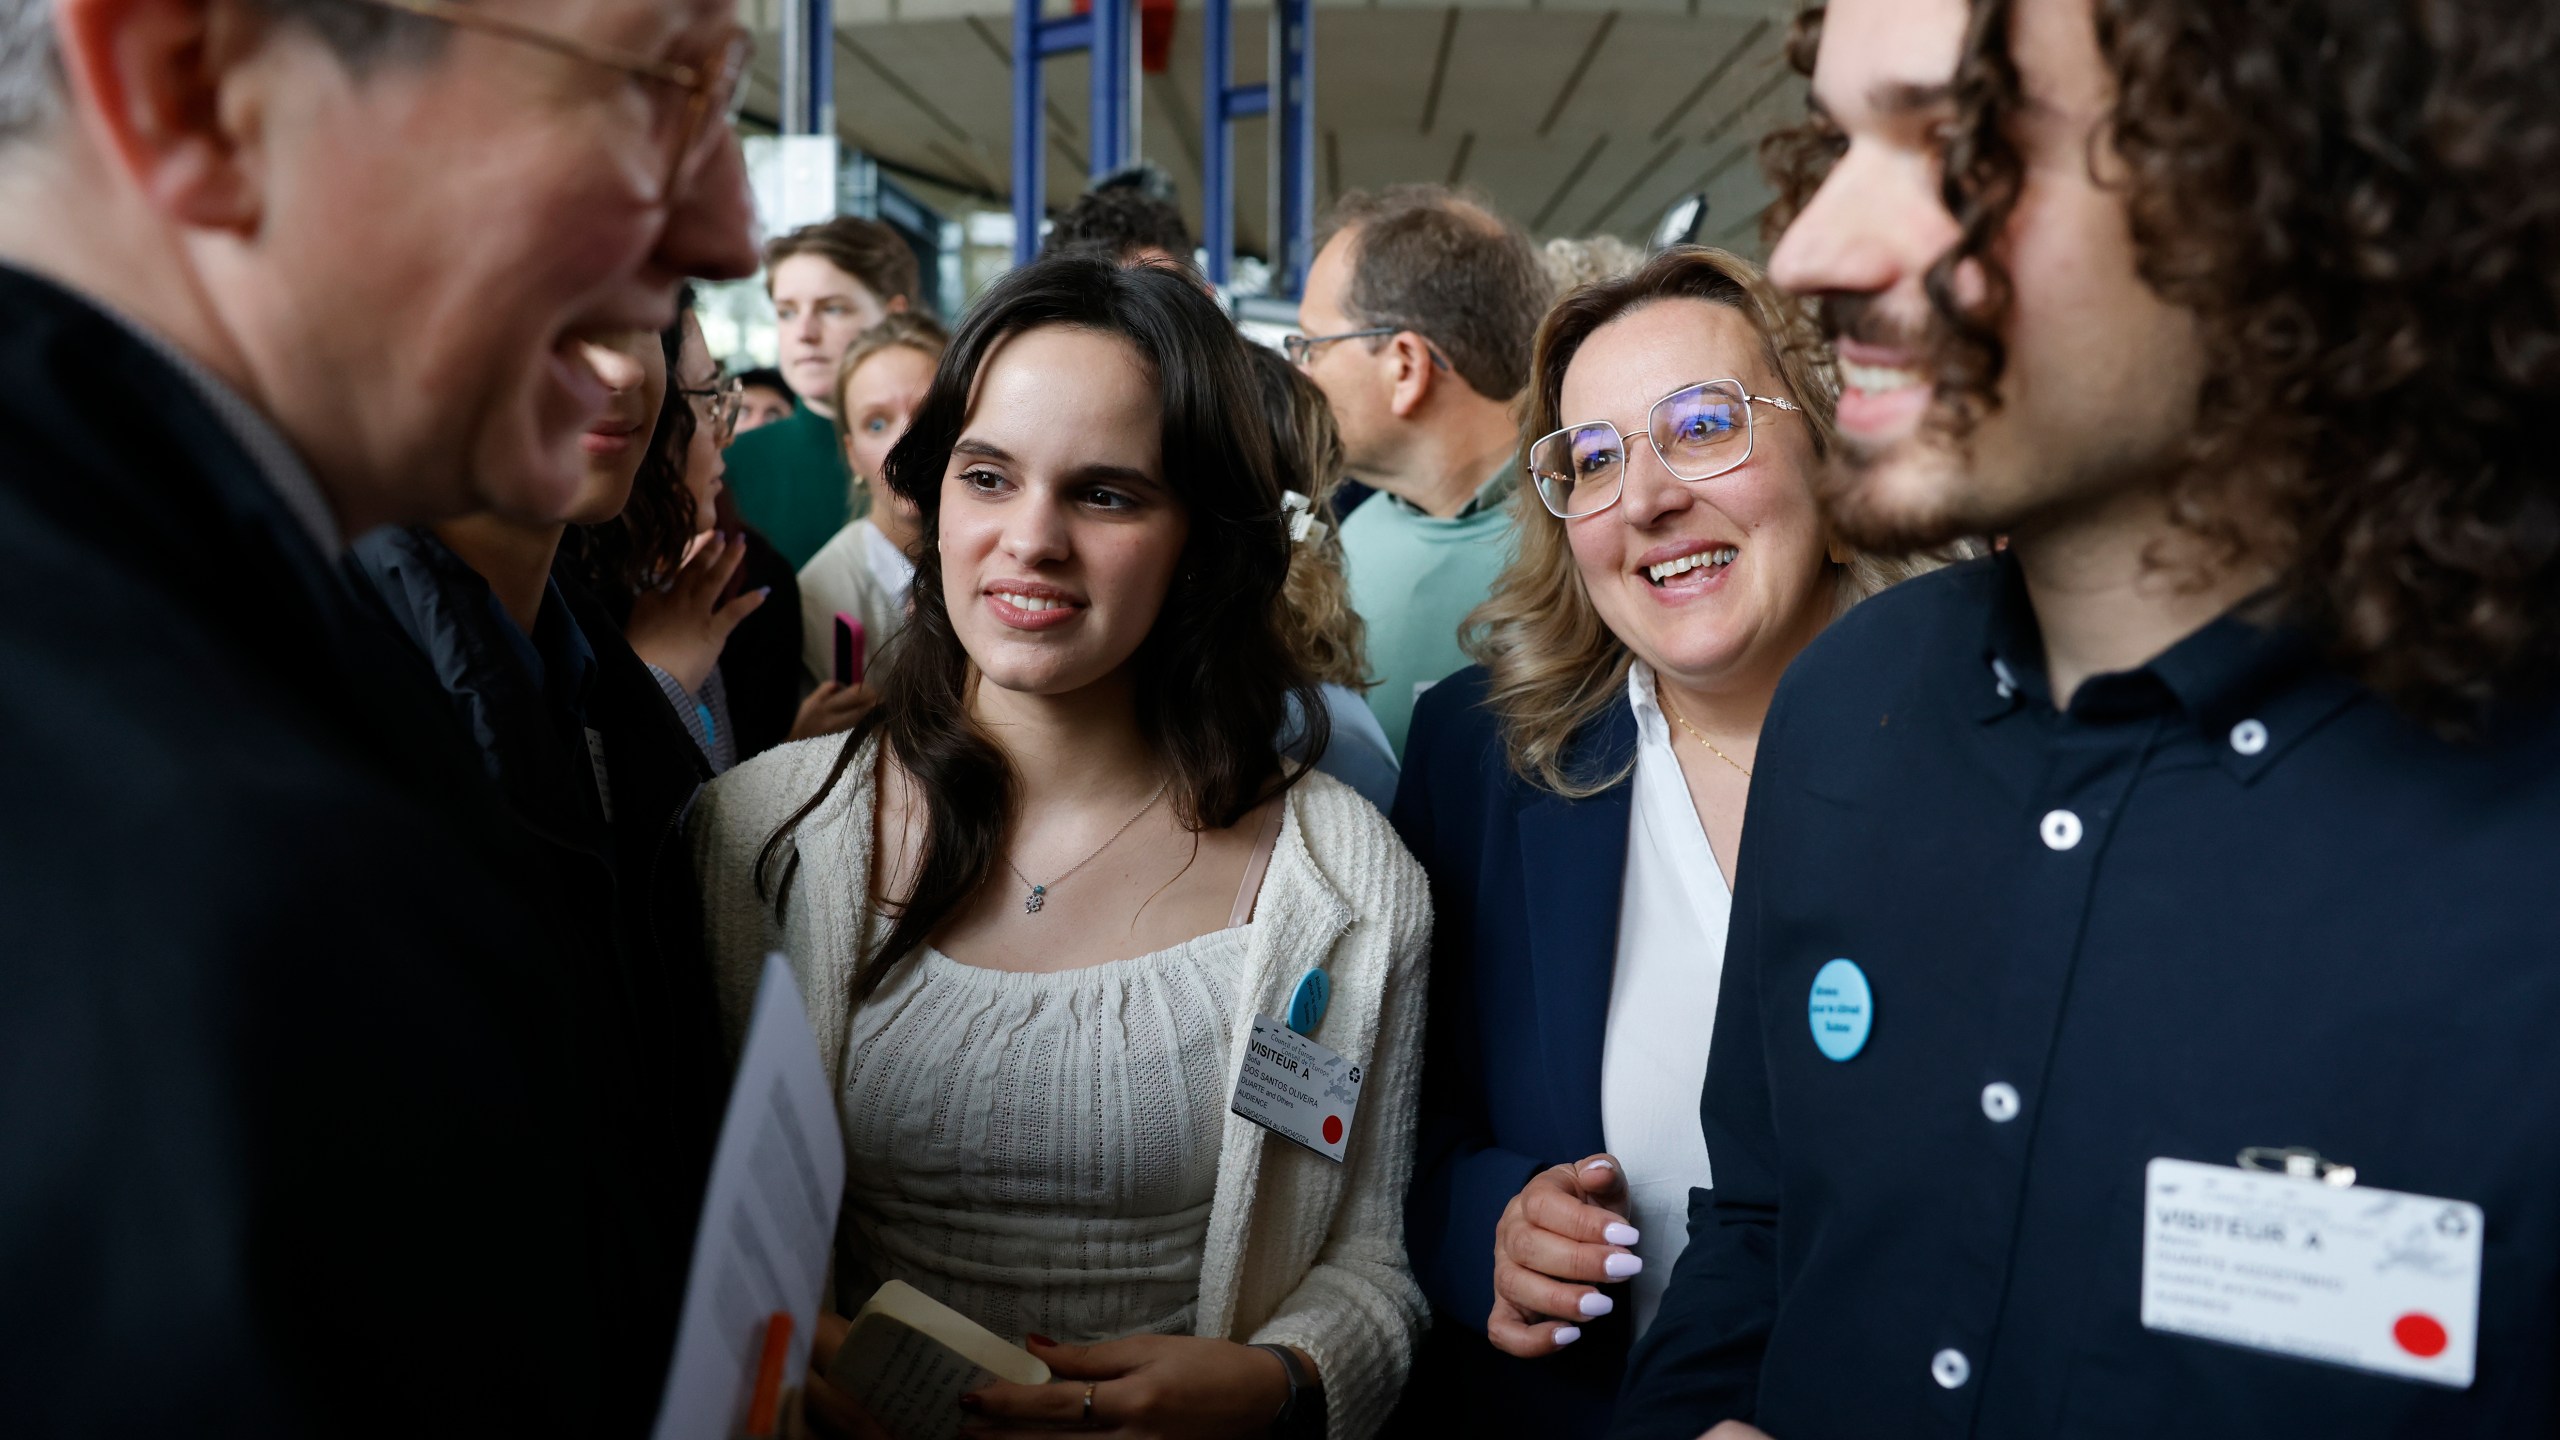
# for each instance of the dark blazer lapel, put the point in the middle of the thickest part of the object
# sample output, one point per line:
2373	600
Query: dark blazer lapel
1573	854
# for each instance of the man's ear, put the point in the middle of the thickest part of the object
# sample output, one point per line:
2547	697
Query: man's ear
168	89
1407	359
897	303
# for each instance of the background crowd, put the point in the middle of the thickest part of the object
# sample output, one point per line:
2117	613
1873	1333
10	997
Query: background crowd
2096	586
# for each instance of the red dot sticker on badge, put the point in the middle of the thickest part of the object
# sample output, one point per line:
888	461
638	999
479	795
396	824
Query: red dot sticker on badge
2420	1335
1333	1136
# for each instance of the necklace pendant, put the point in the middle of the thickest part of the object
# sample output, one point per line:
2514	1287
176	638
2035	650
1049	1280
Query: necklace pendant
1032	902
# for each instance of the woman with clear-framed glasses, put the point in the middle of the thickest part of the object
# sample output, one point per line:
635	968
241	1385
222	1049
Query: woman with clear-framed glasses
1578	797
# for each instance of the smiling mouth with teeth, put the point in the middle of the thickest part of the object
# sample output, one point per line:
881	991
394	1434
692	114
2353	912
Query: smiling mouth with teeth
1717	558
1036	604
1877	379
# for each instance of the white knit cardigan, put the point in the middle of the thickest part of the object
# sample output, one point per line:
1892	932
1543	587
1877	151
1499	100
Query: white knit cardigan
1300	1250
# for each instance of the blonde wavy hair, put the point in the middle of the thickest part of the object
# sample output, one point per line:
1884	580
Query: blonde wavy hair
1316	619
913	329
1554	667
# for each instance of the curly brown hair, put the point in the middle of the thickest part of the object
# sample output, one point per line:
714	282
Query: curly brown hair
1316	619
2356	203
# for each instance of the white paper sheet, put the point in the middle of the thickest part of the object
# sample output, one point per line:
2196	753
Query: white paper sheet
768	1220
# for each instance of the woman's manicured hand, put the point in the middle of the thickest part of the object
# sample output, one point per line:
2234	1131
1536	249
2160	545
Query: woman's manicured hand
1146	1387
682	628
832	709
1562	1236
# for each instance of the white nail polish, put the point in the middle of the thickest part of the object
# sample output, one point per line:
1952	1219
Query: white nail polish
1622	1266
1618	1234
1595	1305
1566	1335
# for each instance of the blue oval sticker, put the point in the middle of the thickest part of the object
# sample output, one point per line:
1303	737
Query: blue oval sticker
1843	1009
1307	1005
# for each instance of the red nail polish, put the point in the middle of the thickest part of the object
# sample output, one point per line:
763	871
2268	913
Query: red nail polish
970	1403
1043	1341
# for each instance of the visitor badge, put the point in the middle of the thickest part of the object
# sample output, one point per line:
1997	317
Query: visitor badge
2372	1279
1297	1089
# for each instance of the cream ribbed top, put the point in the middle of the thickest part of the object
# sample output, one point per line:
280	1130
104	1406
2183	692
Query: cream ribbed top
1039	1151
1299	1250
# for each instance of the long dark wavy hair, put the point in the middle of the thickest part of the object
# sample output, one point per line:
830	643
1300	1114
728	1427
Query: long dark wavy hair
2356	200
643	546
1213	678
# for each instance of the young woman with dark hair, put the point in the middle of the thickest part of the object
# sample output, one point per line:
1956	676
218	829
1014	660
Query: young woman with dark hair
684	583
1036	899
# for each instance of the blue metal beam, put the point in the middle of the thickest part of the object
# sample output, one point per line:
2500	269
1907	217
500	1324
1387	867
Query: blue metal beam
1290	98
1109	34
1028	153
1293	43
809	68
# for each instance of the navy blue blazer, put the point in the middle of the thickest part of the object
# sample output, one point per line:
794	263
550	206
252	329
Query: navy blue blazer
1524	887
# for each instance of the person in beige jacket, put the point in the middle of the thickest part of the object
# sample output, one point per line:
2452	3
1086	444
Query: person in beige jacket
1038	898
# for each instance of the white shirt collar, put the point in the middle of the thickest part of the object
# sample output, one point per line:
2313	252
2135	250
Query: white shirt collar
889	565
1653	728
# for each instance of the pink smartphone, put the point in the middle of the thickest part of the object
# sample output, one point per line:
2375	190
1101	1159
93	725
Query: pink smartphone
848	649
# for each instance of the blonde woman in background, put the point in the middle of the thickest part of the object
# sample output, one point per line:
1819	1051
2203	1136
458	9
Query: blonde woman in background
865	570
1577	798
1317	620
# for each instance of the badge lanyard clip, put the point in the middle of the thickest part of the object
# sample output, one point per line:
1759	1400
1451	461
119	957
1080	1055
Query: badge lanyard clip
2299	1162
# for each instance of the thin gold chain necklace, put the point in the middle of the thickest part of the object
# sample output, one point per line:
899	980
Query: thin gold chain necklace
1682	721
1039	896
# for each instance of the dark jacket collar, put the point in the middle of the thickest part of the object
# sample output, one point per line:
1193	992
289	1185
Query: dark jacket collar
2244	667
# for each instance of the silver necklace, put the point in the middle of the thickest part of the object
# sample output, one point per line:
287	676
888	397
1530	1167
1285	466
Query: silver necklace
1039	893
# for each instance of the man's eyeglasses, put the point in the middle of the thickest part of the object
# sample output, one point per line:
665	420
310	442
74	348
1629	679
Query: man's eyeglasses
717	405
1301	349
692	98
1700	431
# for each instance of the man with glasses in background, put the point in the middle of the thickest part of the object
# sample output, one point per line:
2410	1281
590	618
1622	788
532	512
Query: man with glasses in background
297	1137
1417	319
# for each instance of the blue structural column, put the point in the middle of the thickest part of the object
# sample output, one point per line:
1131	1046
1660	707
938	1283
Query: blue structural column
808	68
1109	34
1293	170
1228	102
1293	45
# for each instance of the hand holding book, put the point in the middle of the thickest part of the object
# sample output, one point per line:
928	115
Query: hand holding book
1166	1387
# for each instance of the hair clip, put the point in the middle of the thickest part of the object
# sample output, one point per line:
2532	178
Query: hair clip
1301	515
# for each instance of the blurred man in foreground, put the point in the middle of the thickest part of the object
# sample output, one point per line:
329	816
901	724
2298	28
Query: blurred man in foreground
295	1139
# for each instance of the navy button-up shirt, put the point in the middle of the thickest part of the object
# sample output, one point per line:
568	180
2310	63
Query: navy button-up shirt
2227	900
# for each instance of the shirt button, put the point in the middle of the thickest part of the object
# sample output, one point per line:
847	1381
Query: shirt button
1950	1369
2061	829
2249	737
2000	1100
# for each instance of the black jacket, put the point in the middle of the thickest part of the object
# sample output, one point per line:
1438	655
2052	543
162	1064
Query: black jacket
1524	891
597	774
290	1138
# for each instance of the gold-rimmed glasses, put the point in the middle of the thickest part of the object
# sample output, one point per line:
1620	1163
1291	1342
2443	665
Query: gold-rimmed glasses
1699	430
687	94
718	404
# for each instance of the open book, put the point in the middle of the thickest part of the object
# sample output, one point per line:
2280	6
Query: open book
909	1358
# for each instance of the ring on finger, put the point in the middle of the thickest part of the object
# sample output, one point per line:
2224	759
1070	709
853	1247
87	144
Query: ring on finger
1088	1407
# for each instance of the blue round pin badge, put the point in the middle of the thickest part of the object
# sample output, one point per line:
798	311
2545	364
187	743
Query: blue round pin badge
1843	1009
1307	1003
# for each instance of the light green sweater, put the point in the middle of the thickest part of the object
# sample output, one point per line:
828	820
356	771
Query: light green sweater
1413	579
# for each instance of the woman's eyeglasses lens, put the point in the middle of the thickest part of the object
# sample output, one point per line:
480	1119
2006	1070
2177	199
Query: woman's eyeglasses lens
1700	432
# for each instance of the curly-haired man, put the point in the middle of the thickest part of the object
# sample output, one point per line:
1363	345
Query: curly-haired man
2141	989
